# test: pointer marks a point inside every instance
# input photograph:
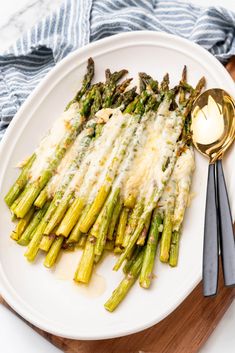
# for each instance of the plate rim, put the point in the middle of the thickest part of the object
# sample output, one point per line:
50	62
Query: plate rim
48	79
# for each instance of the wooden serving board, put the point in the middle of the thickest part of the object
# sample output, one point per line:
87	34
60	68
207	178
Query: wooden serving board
183	331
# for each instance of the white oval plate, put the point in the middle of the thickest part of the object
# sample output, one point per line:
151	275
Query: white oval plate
48	298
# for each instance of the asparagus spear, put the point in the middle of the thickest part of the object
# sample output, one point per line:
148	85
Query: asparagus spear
130	201
186	159
16	202
142	83
144	217
108	211
182	84
95	208
114	219
30	193
120	89
33	189
110	86
68	165
122	226
102	194
84	270
121	291
87	78
138	209
54	251
27	234
164	86
174	202
85	83
72	121
195	92
174	249
20	183
47	241
150	251
76	234
65	196
41	199
118	181
81	148
82	241
64	174
132	222
22	225
155	192
96	226
87	101
33	247
147	83
97	102
132	259
70	219
126	98
144	233
166	238
117	157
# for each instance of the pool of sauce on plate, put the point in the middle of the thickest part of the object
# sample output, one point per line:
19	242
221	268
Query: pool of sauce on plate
65	269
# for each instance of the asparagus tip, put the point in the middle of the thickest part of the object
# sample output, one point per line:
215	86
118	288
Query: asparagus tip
184	74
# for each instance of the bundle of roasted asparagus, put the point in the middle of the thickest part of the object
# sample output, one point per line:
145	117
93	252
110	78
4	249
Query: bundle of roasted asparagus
113	173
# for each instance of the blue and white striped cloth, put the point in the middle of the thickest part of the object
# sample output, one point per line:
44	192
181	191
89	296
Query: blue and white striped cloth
77	22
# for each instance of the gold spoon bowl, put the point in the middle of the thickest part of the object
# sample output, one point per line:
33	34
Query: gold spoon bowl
218	108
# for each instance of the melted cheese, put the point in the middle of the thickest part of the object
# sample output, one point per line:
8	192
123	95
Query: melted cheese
176	193
151	150
104	114
93	164
183	175
46	150
115	158
163	162
69	164
23	163
157	147
103	149
143	158
122	178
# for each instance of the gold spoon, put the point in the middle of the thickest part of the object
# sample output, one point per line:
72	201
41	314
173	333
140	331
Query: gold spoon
213	129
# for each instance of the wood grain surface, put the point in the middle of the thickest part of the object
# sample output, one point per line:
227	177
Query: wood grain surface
183	331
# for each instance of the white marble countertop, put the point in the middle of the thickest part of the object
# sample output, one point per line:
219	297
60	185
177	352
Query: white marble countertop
16	16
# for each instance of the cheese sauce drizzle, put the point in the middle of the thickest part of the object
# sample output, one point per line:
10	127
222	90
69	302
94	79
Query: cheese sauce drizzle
176	193
47	147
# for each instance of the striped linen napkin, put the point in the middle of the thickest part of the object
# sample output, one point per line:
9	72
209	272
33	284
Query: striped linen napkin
78	22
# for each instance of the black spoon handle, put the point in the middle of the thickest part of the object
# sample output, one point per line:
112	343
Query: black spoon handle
211	246
227	242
